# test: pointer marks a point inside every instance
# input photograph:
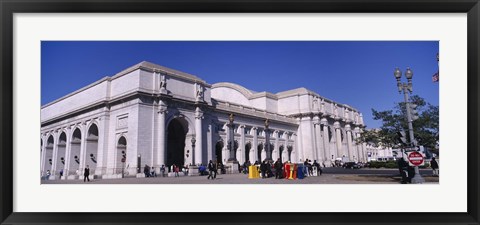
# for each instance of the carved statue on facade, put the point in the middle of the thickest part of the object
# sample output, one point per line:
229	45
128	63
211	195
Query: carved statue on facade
163	83
315	102
335	110
199	95
322	106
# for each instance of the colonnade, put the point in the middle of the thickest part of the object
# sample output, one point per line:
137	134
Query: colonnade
282	143
327	139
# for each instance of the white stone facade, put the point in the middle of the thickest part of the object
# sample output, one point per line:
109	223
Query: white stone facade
149	114
379	153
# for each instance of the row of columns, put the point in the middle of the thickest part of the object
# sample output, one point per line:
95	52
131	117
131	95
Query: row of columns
59	151
253	154
316	143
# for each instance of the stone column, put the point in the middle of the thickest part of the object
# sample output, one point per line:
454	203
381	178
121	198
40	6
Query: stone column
326	142
285	147
102	147
356	134
318	140
68	149
210	147
54	156
307	137
351	153
42	155
255	146
162	111
83	148
276	148
241	145
198	136
295	157
338	137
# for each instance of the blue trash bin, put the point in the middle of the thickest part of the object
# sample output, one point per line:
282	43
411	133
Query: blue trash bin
300	174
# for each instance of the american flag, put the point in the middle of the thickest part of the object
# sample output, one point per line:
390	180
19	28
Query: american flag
435	77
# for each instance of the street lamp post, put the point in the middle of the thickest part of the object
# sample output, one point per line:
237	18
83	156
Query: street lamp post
232	157
267	141
407	89
193	148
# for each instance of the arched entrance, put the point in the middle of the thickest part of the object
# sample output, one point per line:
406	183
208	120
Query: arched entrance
218	151
177	130
259	152
75	153
60	159
248	146
48	155
121	155
280	149
92	148
289	149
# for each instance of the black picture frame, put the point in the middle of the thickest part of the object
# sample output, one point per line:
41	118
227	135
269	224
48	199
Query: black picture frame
9	7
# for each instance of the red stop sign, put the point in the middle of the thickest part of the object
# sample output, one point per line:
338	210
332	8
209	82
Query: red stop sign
415	158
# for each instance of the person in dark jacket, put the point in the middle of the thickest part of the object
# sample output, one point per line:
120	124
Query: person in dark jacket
212	170
146	170
86	173
278	169
263	169
403	169
319	168
434	165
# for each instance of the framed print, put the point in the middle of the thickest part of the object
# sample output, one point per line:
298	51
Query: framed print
255	112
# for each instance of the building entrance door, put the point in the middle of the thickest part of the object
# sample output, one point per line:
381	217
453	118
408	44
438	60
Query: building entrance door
176	143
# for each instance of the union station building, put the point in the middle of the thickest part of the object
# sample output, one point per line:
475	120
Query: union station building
152	115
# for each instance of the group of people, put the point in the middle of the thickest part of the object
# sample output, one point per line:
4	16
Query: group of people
277	169
150	172
407	172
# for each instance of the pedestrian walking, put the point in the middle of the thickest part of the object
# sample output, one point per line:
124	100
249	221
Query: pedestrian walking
263	169
317	165
403	169
146	170
176	169
162	170
434	165
86	173
153	173
278	169
211	170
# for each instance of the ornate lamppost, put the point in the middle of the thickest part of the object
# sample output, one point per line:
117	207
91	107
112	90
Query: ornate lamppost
407	89
232	157
267	140
193	146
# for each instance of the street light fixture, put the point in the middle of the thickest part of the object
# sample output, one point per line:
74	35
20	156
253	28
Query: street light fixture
232	157
193	146
407	89
267	141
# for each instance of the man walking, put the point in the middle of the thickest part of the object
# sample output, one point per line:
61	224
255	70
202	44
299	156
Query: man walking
278	169
319	169
434	165
263	169
211	170
86	173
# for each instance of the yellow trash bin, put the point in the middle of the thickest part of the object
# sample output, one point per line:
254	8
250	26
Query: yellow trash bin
253	172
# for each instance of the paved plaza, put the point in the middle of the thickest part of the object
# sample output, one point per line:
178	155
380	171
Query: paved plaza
334	176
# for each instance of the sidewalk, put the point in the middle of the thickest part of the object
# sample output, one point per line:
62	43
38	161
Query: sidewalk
243	179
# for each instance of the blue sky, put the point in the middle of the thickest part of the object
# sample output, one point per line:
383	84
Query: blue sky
357	73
